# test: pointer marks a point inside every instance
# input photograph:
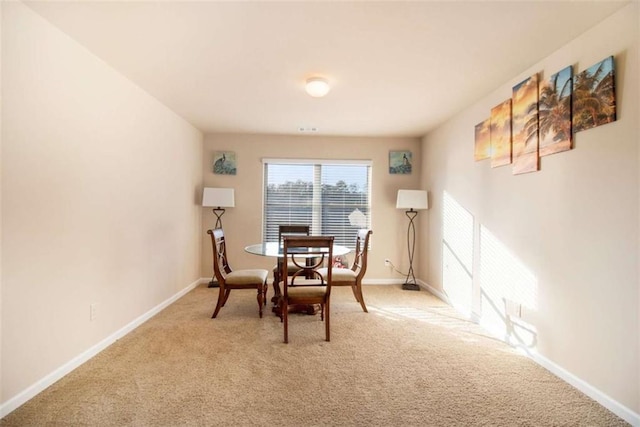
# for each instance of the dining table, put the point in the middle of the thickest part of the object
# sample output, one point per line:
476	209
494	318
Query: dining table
276	250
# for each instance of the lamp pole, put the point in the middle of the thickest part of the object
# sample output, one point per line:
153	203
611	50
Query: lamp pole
218	212
218	199
411	285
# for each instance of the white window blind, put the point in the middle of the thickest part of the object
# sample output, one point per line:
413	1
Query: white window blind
333	197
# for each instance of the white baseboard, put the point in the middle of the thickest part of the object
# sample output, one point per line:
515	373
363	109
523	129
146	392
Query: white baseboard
31	391
614	406
434	291
382	281
611	404
396	282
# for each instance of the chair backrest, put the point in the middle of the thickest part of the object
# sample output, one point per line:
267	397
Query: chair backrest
315	248
220	263
362	249
292	230
285	230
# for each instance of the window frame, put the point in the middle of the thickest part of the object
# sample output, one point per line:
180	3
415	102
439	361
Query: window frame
317	164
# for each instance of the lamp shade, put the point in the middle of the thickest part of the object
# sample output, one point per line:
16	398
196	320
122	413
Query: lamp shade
412	199
218	198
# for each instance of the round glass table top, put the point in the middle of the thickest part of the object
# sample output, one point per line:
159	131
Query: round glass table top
275	250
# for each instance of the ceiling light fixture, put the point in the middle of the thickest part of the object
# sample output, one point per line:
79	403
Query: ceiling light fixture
317	87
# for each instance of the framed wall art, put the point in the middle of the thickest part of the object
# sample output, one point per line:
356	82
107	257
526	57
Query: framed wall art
524	126
224	163
400	162
482	149
555	112
544	114
594	101
501	134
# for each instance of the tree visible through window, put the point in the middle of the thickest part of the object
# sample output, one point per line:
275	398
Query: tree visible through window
333	198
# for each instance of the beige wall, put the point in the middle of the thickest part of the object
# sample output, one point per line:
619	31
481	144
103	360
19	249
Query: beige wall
243	224
1	138
100	189
573	225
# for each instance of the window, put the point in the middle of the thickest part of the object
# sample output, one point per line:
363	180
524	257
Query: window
330	195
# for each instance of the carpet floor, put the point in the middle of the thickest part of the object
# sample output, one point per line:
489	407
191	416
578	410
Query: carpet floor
410	361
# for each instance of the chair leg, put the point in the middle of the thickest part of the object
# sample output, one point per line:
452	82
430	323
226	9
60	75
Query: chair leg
276	287
357	292
285	319
226	296
326	324
265	288
260	300
221	300
280	309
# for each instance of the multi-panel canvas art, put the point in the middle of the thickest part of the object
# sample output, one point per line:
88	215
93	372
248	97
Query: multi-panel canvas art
594	101
542	117
501	134
555	113
483	140
525	126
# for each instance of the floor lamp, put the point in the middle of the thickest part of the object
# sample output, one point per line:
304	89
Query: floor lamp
218	199
413	200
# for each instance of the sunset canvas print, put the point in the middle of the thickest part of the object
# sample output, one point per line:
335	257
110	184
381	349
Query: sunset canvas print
483	141
501	134
594	101
555	113
525	126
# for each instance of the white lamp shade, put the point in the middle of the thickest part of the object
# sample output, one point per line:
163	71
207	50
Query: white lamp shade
412	199
218	198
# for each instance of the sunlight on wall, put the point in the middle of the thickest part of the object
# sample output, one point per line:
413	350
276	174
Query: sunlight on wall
457	254
457	282
509	290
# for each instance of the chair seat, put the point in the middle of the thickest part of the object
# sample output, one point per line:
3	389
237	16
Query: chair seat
339	275
246	277
306	291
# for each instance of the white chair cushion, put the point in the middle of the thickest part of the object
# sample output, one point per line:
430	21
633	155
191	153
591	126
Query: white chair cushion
306	291
246	277
339	274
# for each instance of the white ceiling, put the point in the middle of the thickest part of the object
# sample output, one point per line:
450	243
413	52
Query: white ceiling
396	68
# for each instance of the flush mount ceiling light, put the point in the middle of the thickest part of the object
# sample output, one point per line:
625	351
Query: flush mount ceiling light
317	87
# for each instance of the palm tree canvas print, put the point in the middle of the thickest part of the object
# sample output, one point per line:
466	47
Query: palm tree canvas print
501	134
482	141
555	113
525	126
594	101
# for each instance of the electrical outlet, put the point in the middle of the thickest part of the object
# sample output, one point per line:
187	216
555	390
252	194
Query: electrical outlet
512	308
387	262
93	311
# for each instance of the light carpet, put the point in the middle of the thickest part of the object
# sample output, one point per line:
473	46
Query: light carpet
410	361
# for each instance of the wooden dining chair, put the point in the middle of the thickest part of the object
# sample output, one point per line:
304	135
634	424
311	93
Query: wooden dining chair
306	286
285	230
353	276
234	279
